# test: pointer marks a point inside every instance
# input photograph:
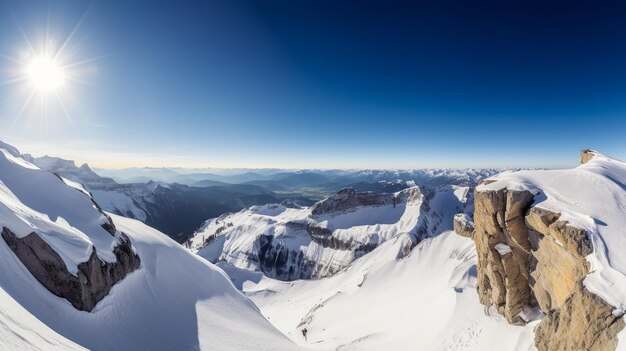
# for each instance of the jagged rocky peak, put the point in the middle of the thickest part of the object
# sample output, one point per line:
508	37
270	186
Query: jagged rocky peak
537	233
59	233
292	242
348	198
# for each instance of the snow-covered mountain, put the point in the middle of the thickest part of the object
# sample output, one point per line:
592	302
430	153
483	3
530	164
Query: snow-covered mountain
284	178
290	242
172	208
75	277
537	266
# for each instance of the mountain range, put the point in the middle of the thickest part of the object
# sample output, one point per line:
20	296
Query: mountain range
519	260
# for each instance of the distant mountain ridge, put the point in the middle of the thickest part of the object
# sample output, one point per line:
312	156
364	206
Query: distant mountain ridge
175	209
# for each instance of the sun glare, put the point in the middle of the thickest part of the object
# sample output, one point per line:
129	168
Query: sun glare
45	75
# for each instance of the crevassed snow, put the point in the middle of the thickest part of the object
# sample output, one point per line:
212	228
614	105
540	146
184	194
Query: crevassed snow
426	301
591	196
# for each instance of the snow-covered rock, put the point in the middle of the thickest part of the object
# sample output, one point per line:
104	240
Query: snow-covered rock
426	300
553	239
173	301
318	241
60	234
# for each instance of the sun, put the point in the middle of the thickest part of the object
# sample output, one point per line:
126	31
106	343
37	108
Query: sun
45	75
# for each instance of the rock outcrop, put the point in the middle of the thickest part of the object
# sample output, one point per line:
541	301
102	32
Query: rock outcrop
584	322
464	225
586	155
348	199
94	279
503	248
529	258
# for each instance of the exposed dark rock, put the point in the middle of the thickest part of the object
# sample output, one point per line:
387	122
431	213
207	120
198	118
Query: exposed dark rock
349	198
95	277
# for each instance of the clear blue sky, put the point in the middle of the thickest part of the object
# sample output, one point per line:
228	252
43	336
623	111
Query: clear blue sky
330	84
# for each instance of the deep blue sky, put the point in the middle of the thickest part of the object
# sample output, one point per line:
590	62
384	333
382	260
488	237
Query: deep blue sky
326	84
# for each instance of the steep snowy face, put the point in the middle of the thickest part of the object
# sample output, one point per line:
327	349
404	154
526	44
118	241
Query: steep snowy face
75	277
288	243
59	233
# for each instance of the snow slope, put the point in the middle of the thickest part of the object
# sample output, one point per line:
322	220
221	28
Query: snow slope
591	196
425	301
34	200
174	301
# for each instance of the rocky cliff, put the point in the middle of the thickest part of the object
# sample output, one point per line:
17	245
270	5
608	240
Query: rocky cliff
530	257
318	241
59	233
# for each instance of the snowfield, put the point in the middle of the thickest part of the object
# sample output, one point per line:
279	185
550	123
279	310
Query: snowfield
426	301
174	301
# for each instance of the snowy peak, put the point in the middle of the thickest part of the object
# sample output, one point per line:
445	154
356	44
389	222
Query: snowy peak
288	243
59	233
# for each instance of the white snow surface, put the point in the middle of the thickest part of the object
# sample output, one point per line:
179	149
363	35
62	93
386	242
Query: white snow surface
34	200
426	301
174	301
591	196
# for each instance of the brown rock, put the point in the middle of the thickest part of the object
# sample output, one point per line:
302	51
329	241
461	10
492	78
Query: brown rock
545	267
464	225
586	155
503	280
555	273
584	322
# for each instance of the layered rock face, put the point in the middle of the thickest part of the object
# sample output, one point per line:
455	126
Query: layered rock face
290	243
529	258
349	198
94	279
503	248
